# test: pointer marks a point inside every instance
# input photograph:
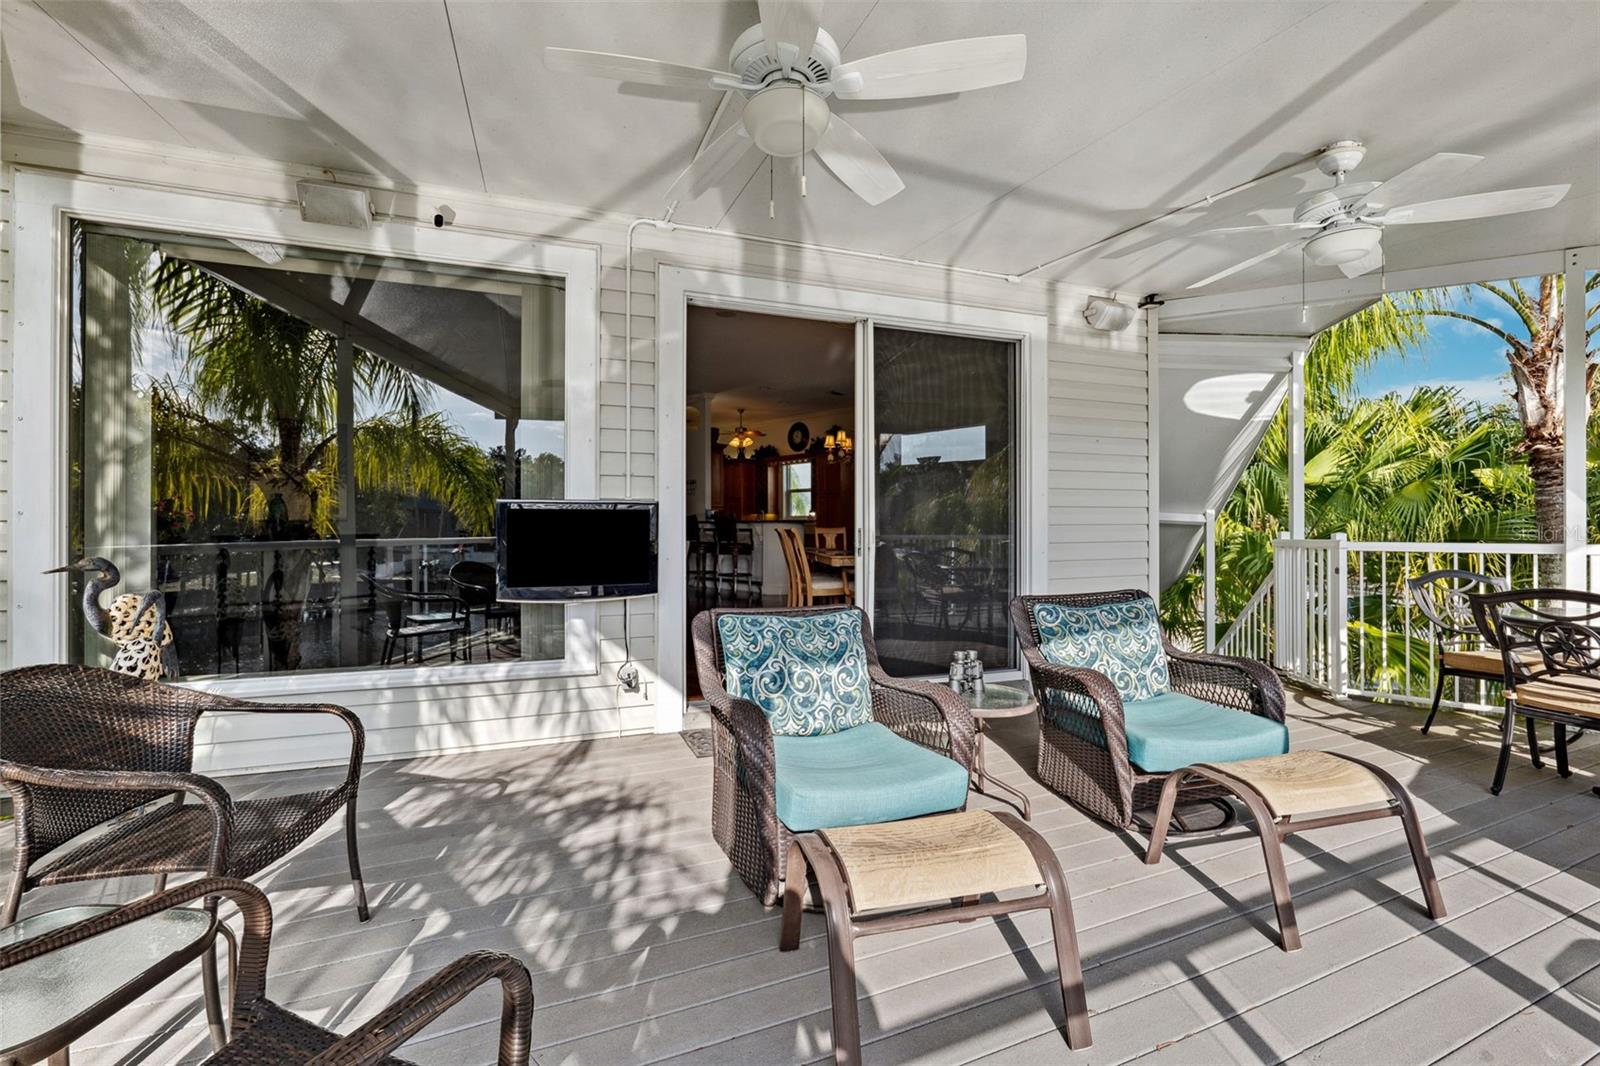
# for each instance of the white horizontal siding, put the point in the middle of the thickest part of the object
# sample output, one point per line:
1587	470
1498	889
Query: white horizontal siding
1098	485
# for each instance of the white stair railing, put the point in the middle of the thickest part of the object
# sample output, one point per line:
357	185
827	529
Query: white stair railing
1250	636
1336	614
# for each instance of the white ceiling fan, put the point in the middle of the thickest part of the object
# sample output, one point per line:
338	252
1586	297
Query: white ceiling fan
787	67
1343	226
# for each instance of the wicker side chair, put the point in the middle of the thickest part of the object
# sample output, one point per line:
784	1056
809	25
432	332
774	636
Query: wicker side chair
265	1034
81	747
744	806
1083	736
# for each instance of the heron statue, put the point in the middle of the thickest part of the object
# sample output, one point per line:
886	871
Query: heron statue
135	622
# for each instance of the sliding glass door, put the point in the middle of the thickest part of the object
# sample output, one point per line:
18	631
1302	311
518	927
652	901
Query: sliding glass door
942	497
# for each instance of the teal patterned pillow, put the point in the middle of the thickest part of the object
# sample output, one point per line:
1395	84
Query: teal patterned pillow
1121	640
807	672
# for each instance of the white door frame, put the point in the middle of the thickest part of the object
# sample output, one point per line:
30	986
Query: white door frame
46	204
677	287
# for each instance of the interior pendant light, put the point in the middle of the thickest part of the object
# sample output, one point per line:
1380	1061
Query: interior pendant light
741	444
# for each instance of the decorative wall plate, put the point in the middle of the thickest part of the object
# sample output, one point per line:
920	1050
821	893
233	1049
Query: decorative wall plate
799	437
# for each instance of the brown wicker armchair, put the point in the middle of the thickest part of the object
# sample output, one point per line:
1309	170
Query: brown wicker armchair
81	746
744	812
1089	766
264	1033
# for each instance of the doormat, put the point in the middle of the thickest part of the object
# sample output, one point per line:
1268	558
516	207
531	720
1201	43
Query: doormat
699	741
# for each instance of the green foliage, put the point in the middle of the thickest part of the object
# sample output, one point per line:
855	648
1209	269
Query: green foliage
251	423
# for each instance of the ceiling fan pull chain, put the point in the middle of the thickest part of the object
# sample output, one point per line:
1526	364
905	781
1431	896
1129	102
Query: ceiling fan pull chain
772	188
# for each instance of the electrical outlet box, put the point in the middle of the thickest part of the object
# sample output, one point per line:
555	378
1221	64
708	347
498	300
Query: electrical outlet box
628	677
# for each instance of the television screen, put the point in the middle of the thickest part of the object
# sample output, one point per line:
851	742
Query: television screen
575	549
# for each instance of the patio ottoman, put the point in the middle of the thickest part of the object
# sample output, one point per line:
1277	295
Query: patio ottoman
926	871
1305	790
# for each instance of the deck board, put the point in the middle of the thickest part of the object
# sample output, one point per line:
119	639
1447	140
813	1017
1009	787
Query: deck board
594	863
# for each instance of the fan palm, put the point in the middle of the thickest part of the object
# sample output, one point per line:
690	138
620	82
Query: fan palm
1536	354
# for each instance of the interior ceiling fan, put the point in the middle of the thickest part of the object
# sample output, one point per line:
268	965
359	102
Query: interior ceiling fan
788	68
1343	226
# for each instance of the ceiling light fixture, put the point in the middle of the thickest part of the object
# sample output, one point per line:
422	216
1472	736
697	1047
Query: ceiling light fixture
334	205
1104	313
838	446
741	444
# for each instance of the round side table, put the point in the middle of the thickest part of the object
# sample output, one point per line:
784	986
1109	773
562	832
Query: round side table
991	702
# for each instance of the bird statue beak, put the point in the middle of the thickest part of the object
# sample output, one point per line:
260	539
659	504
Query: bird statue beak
61	569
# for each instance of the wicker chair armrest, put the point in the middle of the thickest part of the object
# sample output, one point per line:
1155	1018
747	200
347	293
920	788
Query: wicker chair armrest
1088	695
895	699
250	983
1242	684
212	795
358	732
423	1005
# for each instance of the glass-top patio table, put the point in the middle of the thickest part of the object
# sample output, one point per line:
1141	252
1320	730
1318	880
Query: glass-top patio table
988	702
49	1001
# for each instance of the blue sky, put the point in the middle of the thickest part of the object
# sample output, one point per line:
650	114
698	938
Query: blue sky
1459	354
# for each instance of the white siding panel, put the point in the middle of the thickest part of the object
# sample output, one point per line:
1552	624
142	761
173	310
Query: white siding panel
1098	488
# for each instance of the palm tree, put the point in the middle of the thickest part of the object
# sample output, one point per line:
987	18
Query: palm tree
1536	354
252	429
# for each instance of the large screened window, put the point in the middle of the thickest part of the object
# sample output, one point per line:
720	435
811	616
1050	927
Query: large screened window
299	452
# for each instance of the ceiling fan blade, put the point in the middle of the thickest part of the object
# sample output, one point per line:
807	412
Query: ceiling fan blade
855	162
1260	227
719	157
1365	265
636	69
790	29
1477	205
933	69
1252	261
1421	178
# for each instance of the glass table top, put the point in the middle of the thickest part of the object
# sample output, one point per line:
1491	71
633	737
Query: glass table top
995	698
45	992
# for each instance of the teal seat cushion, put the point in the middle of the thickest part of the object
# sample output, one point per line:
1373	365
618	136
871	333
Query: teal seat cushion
808	673
1171	731
1121	640
862	775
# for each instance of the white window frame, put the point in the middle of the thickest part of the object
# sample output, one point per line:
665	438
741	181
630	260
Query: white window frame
677	286
783	490
46	205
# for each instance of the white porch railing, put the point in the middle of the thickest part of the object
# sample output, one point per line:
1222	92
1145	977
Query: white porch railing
1336	614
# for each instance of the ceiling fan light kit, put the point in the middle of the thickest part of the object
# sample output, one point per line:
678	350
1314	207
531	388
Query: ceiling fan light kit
1343	243
786	119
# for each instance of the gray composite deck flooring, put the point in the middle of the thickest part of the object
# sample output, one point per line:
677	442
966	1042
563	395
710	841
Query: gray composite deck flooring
594	863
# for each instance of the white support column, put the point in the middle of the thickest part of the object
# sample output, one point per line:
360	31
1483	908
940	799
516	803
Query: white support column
1210	517
1576	426
1152	324
1297	446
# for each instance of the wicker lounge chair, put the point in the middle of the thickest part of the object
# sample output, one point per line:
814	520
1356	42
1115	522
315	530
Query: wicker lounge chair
266	1034
1107	752
81	746
909	754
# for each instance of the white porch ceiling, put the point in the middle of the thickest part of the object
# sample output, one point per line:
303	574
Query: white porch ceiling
1129	109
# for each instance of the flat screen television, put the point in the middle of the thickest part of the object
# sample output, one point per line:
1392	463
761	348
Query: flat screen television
550	550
